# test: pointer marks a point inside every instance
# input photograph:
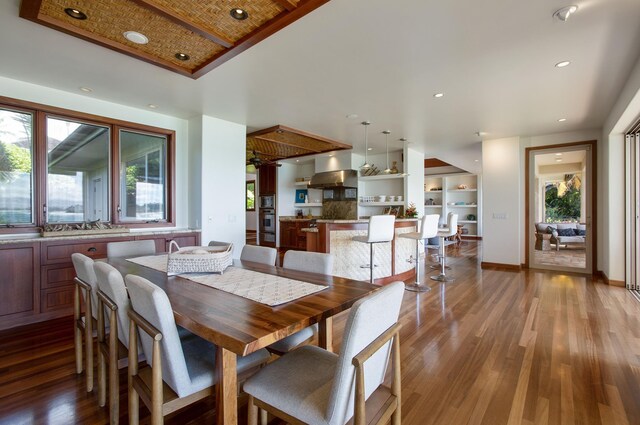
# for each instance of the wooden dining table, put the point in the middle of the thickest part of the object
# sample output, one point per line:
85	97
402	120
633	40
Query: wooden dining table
239	326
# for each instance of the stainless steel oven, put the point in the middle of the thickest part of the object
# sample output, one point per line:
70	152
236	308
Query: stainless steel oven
267	221
267	201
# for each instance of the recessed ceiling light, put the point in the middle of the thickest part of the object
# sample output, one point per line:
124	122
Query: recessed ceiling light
559	154
152	106
86	89
75	13
476	160
351	116
562	120
558	159
562	64
135	37
182	57
438	95
239	14
369	149
564	13
297	160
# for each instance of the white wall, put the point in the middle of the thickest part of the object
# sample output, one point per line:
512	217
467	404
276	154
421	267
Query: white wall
222	172
252	216
501	184
414	182
85	103
612	186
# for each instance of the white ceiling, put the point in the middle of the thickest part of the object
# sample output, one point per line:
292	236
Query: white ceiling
569	157
380	59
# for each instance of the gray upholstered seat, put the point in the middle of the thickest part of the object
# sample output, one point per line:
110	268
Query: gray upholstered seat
313	262
86	286
259	254
188	365
131	248
316	386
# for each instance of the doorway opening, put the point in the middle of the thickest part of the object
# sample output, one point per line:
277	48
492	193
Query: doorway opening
559	202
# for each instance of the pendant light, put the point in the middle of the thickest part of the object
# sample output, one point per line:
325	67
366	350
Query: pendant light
366	145
386	142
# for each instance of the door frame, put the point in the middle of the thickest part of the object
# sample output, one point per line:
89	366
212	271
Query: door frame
592	191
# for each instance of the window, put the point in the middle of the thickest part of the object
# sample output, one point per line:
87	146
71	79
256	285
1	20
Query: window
16	168
82	168
77	171
142	180
251	195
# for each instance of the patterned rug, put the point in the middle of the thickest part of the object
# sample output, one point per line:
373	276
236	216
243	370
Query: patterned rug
260	287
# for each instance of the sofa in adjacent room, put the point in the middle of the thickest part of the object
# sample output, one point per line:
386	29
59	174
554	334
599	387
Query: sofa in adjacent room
564	233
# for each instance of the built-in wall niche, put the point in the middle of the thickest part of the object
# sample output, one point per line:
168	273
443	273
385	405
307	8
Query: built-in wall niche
460	194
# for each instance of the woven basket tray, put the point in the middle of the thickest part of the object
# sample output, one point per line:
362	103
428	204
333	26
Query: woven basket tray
198	259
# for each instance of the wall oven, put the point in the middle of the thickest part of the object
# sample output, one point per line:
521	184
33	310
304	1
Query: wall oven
267	201
267	221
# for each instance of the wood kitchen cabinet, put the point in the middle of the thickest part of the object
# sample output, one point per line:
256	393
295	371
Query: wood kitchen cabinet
267	179
37	281
292	236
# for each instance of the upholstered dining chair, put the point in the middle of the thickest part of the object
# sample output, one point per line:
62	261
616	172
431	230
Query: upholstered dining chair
131	248
84	298
112	351
259	254
179	372
313	262
313	386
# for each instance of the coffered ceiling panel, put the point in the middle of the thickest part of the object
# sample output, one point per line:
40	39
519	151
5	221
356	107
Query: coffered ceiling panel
190	37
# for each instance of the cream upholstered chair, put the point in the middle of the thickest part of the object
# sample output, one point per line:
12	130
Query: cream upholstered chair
131	248
180	372
259	254
313	386
450	230
84	296
313	262
428	229
112	297
381	229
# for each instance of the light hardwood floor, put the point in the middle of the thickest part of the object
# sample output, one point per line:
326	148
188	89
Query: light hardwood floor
494	347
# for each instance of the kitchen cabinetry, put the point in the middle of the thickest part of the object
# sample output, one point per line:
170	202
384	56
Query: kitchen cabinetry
267	179
459	194
292	236
37	281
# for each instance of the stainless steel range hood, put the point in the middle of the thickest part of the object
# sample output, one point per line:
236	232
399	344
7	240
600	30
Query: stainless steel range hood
342	178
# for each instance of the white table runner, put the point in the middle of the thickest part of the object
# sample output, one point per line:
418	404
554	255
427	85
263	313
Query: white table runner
260	287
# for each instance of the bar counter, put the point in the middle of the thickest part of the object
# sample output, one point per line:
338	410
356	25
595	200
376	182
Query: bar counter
335	237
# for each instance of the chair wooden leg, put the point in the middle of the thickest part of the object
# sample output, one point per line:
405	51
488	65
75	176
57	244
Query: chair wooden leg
396	416
252	412
156	386
263	417
114	382
102	364
133	370
88	341
77	336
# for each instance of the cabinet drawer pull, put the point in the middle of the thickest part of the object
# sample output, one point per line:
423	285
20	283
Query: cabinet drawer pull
92	249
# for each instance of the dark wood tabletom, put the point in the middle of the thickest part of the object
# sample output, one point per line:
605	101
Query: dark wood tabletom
240	326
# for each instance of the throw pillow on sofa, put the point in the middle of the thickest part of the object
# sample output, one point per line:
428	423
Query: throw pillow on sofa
581	232
566	232
550	229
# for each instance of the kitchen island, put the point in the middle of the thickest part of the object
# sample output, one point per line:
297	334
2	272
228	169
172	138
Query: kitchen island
335	237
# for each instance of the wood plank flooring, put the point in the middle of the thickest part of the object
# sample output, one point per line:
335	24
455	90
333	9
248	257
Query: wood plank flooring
493	347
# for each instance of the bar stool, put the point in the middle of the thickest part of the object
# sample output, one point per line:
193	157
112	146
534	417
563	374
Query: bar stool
450	230
428	229
381	229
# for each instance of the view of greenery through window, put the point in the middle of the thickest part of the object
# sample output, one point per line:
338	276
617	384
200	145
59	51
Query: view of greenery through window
562	200
251	195
16	165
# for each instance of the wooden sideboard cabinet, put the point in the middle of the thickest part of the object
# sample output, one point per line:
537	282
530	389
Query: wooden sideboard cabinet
37	282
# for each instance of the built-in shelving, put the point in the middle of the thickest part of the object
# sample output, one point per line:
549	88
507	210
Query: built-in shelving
304	183
445	199
381	204
382	177
462	206
308	205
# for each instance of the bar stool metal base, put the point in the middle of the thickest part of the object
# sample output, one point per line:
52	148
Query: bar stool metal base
442	278
437	267
416	287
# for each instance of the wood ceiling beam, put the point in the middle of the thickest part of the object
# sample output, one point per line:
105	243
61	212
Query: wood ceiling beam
287	4
293	145
435	162
339	145
208	33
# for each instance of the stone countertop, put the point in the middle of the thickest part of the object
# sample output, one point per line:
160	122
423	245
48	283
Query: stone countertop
310	229
362	220
35	237
293	218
